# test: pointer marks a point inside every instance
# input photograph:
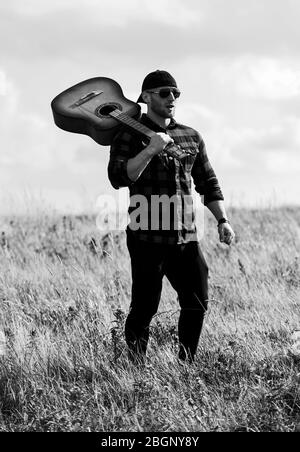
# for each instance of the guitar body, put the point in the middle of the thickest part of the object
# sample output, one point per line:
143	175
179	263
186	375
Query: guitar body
97	107
85	108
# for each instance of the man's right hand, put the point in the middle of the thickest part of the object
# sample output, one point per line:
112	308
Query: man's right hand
158	143
137	164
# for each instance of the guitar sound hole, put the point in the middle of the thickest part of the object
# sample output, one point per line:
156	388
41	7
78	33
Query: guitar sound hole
105	110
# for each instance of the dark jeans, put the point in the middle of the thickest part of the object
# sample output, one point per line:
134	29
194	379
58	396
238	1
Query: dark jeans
185	267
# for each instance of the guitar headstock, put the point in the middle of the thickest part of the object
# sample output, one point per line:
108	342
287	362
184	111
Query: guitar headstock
176	151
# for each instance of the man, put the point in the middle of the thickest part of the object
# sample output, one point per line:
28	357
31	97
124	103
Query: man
151	174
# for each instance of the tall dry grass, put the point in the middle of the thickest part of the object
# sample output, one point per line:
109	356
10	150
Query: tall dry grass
64	294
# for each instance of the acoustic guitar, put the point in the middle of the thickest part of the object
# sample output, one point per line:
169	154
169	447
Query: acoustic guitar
97	107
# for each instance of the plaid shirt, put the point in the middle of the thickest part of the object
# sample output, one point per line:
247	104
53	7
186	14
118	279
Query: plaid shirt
165	179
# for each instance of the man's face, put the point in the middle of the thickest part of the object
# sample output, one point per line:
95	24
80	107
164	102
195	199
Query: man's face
162	106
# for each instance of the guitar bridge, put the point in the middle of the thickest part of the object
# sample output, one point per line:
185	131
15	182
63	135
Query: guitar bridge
86	98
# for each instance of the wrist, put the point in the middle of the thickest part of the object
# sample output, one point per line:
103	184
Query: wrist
153	150
150	151
223	220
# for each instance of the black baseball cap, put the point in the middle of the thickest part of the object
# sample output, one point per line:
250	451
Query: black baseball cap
156	79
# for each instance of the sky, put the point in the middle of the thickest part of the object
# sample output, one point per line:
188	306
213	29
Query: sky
237	63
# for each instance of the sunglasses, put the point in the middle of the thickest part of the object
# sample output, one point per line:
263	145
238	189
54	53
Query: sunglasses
165	92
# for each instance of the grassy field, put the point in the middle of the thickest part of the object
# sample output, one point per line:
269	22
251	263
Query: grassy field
64	294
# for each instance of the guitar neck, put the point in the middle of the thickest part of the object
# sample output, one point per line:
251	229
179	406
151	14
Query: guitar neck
174	150
132	123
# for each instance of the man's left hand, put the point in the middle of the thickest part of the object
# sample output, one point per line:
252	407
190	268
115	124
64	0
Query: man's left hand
226	233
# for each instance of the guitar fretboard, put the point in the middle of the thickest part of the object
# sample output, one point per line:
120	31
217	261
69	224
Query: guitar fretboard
130	122
173	149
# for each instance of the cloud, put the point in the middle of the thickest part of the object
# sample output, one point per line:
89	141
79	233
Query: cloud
119	12
8	96
283	163
272	149
168	31
265	78
3	84
22	132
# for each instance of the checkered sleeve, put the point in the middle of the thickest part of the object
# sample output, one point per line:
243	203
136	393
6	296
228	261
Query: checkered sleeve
120	152
205	180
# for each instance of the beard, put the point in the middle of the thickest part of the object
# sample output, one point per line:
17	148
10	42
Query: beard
162	110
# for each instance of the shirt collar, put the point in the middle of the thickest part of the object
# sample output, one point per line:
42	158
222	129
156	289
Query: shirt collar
154	126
